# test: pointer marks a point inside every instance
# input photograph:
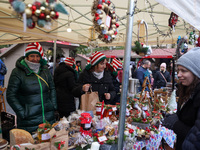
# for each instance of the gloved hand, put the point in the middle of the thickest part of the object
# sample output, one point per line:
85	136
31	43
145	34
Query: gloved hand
170	121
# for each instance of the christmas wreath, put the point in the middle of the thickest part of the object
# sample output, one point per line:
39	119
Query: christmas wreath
107	30
173	20
40	13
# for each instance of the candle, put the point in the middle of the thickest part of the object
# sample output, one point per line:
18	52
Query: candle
95	146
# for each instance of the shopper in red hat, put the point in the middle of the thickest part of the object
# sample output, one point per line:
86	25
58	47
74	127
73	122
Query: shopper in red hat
95	77
65	77
31	91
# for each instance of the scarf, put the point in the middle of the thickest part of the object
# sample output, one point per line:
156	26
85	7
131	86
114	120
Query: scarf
98	75
33	66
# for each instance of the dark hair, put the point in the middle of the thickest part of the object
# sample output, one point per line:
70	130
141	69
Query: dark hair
184	92
92	68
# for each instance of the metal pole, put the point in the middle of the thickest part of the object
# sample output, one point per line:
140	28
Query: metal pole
54	56
173	74
125	78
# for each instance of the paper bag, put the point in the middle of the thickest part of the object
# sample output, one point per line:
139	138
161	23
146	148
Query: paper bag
25	146
60	142
89	100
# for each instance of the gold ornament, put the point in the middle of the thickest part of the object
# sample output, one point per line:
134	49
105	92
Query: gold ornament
114	15
34	18
113	36
105	5
102	26
37	12
52	6
110	32
47	11
114	29
48	18
29	6
113	26
101	16
40	25
28	12
52	14
42	9
113	21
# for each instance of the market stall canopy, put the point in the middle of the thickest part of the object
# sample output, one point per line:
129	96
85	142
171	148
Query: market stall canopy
80	21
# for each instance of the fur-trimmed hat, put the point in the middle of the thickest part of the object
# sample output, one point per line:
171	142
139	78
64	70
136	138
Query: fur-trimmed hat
34	48
95	58
190	60
70	61
116	64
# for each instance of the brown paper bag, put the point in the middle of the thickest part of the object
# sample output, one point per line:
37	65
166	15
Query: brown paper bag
89	100
25	146
61	139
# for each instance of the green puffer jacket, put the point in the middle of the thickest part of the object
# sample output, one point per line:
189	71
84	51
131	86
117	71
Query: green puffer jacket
24	94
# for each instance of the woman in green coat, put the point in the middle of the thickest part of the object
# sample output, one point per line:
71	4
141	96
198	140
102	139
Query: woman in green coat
31	91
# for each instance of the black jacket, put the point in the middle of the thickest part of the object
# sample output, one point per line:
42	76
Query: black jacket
64	79
159	81
24	96
187	118
104	85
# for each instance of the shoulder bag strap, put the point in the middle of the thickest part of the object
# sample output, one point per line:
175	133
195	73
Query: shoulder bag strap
42	79
163	77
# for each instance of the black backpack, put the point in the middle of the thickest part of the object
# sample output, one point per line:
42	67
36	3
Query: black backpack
3	70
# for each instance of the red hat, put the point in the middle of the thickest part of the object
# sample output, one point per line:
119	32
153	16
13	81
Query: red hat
34	48
70	61
116	64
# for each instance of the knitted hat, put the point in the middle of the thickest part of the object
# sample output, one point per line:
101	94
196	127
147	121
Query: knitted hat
95	58
34	48
116	64
190	60
70	61
163	65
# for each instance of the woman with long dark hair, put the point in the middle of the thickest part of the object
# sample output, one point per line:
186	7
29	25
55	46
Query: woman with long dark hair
186	121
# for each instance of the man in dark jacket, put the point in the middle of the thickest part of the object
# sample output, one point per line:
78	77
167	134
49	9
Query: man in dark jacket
31	92
142	72
161	77
65	77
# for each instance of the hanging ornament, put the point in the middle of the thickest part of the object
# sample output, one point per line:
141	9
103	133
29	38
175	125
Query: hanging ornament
48	18
56	16
37	12
37	4
29	6
30	23
42	16
41	23
173	20
47	11
34	18
52	14
107	31
28	12
42	9
34	8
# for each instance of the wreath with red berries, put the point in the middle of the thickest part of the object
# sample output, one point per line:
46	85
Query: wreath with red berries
107	30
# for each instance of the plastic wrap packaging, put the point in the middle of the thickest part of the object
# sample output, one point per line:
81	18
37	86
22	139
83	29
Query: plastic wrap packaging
172	104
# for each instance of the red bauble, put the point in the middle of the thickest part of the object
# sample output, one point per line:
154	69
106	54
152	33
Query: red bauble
103	1
32	26
99	6
105	36
37	4
34	8
117	25
115	33
97	18
42	16
56	16
33	12
108	2
96	15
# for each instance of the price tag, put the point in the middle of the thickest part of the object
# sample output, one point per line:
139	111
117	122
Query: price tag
98	109
46	136
102	138
110	113
114	108
129	126
108	20
88	125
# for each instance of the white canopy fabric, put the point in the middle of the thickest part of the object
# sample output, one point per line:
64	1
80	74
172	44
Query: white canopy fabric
80	20
186	9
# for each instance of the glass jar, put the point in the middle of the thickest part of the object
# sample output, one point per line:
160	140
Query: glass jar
43	130
98	108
